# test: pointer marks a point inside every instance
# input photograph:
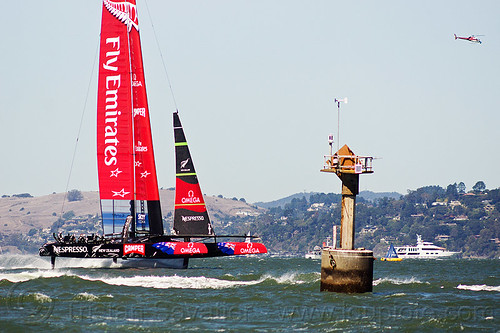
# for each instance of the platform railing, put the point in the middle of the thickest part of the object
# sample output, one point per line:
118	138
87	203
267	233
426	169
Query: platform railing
348	163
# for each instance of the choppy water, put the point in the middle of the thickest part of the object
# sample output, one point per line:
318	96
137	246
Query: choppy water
242	293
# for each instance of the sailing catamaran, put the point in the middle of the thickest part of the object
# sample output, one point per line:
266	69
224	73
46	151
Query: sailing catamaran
130	202
391	255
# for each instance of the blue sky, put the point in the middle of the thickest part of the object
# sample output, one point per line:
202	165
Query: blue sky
254	82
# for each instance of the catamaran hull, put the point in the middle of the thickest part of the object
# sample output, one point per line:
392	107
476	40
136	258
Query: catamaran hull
390	259
150	254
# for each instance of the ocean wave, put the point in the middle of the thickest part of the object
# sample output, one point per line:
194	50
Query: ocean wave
142	320
41	298
293	278
398	281
215	318
201	282
479	287
287	278
85	296
18	299
396	295
165	282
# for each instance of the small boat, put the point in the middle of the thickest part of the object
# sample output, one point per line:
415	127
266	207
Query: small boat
423	250
314	254
132	222
391	255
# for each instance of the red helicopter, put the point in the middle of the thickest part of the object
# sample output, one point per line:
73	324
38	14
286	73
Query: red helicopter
471	38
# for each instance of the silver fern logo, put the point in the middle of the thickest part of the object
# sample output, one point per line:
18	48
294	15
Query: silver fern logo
184	163
124	11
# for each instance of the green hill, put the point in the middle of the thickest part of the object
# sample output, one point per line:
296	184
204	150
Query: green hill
468	223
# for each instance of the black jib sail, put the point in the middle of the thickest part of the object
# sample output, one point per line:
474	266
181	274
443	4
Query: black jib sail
190	216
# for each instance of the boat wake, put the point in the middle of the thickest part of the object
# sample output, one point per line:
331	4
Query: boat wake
477	287
172	282
164	281
34	262
19	261
24	276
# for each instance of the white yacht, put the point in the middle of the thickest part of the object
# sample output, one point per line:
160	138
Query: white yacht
423	250
314	254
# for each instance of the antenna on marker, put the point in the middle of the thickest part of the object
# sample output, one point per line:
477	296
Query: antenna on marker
330	142
338	101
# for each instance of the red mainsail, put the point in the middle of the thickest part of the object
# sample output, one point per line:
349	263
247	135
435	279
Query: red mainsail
125	157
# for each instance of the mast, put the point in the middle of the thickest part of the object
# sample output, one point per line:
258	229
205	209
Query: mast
126	167
190	215
148	212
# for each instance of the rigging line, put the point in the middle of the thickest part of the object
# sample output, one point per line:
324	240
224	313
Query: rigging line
80	128
161	56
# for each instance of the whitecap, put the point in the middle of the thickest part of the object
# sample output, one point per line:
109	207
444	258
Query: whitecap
86	296
291	278
287	278
215	318
396	295
478	287
397	281
42	298
142	320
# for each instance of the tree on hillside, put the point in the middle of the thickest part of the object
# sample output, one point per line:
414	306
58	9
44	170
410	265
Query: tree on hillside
425	195
75	195
327	199
68	215
494	196
479	187
22	195
452	191
461	188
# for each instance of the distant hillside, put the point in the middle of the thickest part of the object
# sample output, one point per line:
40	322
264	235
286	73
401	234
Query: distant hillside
27	222
283	201
367	195
372	196
468	223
